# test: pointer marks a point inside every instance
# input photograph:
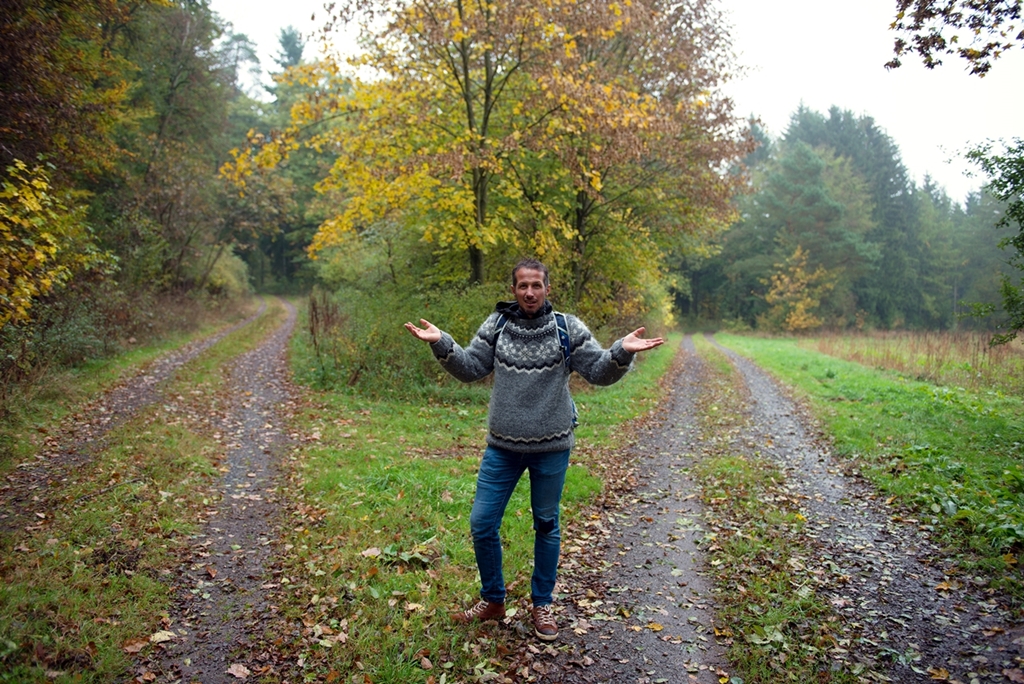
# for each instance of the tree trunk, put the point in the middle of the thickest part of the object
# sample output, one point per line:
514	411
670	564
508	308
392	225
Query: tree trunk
476	265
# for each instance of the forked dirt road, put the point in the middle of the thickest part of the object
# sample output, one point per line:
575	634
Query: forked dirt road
642	610
636	606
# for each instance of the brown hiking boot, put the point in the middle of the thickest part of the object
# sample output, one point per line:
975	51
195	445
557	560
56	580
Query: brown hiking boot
544	625
481	612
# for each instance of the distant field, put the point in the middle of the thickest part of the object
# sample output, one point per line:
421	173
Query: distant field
957	359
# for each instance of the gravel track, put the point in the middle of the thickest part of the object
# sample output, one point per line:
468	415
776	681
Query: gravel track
649	617
222	609
912	616
27	490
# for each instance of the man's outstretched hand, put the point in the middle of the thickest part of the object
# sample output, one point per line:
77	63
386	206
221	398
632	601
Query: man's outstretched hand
429	332
634	342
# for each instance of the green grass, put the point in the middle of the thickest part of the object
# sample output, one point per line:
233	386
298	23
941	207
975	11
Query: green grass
89	577
775	626
382	539
952	457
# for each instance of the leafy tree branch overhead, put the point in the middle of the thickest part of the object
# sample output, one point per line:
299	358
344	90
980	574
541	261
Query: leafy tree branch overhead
977	31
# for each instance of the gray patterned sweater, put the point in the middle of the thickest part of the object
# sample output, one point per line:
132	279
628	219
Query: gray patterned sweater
530	409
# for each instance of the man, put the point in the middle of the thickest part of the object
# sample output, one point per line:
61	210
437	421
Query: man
531	419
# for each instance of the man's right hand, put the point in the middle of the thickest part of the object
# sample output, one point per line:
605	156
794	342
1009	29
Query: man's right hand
428	333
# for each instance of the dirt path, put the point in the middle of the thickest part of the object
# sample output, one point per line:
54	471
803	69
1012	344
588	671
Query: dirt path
646	615
223	610
27	491
910	615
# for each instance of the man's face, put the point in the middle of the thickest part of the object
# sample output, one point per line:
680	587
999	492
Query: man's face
530	290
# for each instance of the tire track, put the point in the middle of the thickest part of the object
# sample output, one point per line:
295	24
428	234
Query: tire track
222	606
30	488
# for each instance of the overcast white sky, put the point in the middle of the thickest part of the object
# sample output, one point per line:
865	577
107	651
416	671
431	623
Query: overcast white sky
819	52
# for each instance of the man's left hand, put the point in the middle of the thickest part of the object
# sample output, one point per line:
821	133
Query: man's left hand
634	341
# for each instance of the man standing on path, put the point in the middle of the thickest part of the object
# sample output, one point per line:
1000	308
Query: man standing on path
531	350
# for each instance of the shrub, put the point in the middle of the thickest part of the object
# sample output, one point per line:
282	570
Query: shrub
359	341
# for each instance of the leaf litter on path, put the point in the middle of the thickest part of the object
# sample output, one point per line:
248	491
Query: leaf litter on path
222	603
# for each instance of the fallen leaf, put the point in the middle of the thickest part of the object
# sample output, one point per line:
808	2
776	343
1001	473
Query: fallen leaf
134	645
1015	676
371	552
939	673
238	670
426	664
211	571
655	627
162	636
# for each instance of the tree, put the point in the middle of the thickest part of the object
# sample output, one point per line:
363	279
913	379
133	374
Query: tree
982	31
65	87
892	295
44	242
1006	182
991	23
591	134
795	294
291	47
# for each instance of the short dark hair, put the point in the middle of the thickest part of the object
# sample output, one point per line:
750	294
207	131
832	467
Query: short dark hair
532	264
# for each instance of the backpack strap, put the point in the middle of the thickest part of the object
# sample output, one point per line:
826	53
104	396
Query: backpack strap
499	325
566	343
563	339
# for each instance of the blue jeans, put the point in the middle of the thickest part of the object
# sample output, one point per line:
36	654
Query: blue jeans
500	470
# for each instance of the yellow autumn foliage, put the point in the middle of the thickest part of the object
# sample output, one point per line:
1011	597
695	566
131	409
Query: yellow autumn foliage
795	295
43	242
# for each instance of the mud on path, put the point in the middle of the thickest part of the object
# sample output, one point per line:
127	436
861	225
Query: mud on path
222	607
27	491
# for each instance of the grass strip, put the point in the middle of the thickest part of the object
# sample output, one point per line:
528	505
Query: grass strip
84	587
951	456
775	626
381	551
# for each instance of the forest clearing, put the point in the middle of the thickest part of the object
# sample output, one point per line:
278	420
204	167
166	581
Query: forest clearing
223	458
672	563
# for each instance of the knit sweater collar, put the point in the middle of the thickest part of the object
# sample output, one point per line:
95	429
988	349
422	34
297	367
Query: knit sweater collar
512	310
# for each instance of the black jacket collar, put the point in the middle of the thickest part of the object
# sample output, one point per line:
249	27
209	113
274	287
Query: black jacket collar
512	310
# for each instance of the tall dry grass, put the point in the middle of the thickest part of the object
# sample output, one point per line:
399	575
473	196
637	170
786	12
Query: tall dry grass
959	359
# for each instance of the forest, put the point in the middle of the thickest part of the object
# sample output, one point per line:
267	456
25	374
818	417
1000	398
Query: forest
144	184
